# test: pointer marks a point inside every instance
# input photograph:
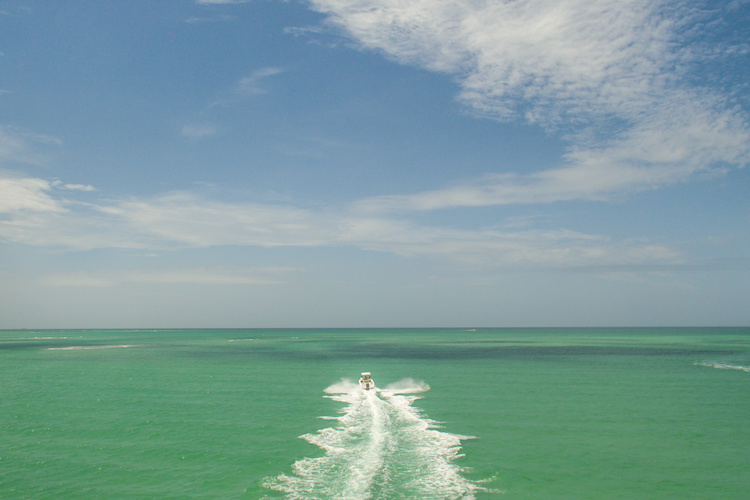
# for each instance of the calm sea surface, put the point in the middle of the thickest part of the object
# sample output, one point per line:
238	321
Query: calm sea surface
459	414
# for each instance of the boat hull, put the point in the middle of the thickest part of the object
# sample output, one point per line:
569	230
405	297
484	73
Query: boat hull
366	381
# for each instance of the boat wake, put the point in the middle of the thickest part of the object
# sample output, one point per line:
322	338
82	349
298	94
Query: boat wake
381	447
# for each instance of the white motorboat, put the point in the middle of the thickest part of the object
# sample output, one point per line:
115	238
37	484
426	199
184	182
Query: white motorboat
366	381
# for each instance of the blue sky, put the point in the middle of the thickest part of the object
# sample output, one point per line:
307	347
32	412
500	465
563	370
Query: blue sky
344	163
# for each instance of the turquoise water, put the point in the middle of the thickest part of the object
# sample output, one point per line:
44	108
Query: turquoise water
491	413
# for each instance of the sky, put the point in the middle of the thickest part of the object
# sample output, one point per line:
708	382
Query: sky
374	163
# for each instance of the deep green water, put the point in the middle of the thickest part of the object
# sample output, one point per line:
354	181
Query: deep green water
555	414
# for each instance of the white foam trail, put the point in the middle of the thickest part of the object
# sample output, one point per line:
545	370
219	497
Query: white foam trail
407	386
82	347
724	366
345	386
381	448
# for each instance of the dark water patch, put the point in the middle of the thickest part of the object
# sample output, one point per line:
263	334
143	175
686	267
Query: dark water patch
490	341
15	345
25	344
517	351
439	352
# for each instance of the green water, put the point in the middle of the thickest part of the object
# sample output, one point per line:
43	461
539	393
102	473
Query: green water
555	413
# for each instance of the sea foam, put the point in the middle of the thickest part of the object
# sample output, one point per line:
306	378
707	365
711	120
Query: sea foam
382	447
82	347
724	366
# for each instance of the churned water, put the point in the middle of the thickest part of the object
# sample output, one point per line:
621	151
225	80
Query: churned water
457	414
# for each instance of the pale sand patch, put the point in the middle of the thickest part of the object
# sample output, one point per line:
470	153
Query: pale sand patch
79	347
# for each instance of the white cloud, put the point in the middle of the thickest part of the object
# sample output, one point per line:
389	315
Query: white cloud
247	87
199	130
185	220
737	4
577	56
495	248
75	228
253	83
27	194
72	187
19	146
603	71
189	276
674	144
79	187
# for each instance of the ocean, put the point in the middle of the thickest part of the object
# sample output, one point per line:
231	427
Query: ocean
596	413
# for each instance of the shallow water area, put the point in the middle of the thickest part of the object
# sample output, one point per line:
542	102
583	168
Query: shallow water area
490	413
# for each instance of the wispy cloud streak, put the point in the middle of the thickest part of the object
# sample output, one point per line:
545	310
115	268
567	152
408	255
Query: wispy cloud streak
27	194
671	146
189	276
252	84
19	146
248	86
199	130
185	220
605	74
220	2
